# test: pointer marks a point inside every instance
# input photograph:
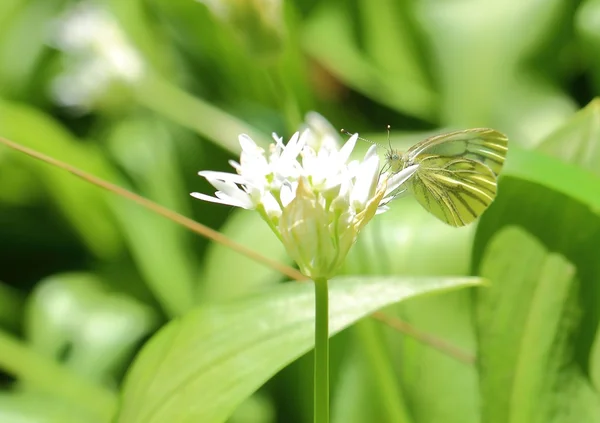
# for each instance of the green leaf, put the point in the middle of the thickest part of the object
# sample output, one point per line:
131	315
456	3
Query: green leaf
71	317
83	204
11	306
145	149
328	38
220	280
575	182
578	140
525	323
48	377
588	32
38	408
200	367
475	54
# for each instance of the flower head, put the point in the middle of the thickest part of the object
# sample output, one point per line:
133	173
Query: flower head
98	56
310	193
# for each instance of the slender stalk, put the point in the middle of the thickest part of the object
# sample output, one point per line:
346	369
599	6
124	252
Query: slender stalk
321	351
48	376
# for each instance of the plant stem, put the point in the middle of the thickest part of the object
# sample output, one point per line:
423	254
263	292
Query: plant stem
48	376
321	351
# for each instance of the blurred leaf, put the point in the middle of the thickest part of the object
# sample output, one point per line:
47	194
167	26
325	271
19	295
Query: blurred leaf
407	240
194	113
578	140
72	319
36	408
525	323
328	39
356	397
11	306
144	34
48	377
475	53
24	42
226	274
531	108
392	41
83	204
145	149
587	27
184	373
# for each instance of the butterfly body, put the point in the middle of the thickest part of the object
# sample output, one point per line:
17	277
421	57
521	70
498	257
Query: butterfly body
456	178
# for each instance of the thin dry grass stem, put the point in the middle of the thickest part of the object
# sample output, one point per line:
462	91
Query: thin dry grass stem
216	236
425	338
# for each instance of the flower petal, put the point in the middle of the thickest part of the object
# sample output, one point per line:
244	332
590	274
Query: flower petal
229	202
212	175
399	178
347	149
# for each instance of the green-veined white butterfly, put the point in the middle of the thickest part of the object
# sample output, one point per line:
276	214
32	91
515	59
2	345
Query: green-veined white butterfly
457	176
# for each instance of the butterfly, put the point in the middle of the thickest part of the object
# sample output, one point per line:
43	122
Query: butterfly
456	179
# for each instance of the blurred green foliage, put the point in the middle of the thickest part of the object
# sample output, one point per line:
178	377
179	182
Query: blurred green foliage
145	93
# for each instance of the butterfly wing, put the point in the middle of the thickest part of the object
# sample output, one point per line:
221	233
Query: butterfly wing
483	145
456	190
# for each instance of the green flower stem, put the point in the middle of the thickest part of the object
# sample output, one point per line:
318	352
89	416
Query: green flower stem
191	112
46	375
321	351
378	360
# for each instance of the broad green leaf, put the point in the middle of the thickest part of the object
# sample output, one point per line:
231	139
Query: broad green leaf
38	408
226	274
575	182
71	318
200	367
560	205
526	322
578	140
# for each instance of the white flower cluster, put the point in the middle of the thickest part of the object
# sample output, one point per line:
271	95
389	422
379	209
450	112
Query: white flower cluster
311	194
97	54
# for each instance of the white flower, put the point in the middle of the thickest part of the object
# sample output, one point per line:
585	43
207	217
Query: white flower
316	200
97	54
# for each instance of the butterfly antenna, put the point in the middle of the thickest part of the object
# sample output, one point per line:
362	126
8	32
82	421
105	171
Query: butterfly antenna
362	139
389	141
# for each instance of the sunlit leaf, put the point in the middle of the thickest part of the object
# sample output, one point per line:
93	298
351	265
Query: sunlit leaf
200	367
